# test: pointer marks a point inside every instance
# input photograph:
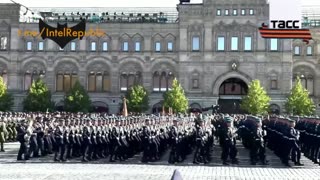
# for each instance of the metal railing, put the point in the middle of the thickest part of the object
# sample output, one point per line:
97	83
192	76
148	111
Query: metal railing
103	15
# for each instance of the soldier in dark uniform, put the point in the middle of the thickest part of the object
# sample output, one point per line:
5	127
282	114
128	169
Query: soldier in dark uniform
114	144
294	136
40	137
173	141
21	137
258	150
227	137
86	143
146	136
199	140
59	140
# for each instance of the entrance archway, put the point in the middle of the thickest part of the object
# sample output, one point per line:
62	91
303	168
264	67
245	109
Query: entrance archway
157	108
59	106
274	109
100	107
195	107
231	92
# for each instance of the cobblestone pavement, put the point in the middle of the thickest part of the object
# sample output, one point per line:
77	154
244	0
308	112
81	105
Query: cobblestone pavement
44	168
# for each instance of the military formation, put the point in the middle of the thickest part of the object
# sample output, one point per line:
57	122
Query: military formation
117	138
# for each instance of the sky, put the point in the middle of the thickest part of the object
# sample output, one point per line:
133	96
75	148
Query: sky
117	3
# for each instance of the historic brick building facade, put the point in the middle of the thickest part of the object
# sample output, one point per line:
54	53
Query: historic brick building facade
214	49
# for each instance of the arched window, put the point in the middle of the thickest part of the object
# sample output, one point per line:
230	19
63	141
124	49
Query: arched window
123	82
170	80
128	80
106	81
30	77
66	80
162	82
156	82
98	81
306	78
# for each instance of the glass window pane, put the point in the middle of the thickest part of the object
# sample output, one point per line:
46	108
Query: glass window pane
195	83
158	46
74	79
34	77
156	82
105	46
235	12
234	43
123	83
138	79
218	12
27	81
3	43
131	80
310	86
309	50
137	48
163	85
170	81
226	12
106	83
93	46
91	82
247	43
221	44
99	82
195	43
40	46
274	44
274	84
125	46
73	46
66	82
59	82
304	83
170	46
251	12
296	50
243	12
29	46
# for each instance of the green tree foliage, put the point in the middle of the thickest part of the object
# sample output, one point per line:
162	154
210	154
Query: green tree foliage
299	102
257	101
137	99
38	98
77	99
6	99
176	98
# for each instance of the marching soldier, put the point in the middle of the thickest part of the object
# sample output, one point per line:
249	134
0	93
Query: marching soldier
199	140
257	150
3	134
23	150
294	137
228	142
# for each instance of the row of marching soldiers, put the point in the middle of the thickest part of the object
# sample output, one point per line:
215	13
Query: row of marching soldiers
96	136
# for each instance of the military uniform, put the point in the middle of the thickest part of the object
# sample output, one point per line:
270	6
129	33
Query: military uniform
3	134
228	142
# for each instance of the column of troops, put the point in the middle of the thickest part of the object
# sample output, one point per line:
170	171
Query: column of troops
118	138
